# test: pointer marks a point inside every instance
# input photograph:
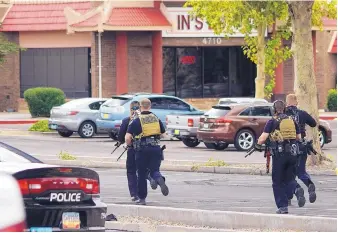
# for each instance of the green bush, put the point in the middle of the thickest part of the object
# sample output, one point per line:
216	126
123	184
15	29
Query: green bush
40	126
332	100
41	100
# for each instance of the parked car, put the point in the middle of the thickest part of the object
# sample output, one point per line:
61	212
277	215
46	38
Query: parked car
115	109
56	198
12	210
184	127
241	100
76	116
241	124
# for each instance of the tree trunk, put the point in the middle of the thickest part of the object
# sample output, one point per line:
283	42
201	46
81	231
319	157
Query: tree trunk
260	79
305	80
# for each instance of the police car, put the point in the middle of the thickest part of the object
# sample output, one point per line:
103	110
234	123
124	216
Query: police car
56	198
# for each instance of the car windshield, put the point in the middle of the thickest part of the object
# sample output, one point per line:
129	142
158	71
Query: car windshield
12	155
116	101
217	111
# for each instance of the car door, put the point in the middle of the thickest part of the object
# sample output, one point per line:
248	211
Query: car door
259	116
94	110
159	106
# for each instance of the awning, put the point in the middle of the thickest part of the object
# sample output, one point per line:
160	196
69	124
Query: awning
40	17
333	44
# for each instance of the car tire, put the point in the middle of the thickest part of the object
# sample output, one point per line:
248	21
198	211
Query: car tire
245	140
322	137
221	146
190	142
113	136
87	129
209	145
65	134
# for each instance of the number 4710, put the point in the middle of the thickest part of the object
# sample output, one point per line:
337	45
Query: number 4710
213	40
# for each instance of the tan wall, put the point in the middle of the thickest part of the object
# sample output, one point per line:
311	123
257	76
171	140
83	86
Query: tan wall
54	39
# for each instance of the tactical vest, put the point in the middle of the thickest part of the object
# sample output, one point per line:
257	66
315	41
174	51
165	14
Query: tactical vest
284	129
150	125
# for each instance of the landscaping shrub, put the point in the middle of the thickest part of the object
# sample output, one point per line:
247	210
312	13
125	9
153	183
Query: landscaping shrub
40	126
41	100
332	100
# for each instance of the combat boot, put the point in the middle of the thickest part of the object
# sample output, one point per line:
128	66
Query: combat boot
141	202
163	186
282	210
300	197
312	193
134	199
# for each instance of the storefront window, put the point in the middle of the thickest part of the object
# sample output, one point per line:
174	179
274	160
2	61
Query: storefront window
189	72
210	72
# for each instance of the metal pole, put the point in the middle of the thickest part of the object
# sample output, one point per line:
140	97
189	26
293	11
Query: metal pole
100	65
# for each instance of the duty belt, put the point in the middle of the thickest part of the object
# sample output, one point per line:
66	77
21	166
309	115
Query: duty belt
278	149
146	142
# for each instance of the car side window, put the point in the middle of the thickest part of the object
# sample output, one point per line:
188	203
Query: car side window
96	105
159	103
261	111
175	104
246	112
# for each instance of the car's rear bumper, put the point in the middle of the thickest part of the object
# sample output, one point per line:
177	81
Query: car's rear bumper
64	124
92	217
182	132
215	136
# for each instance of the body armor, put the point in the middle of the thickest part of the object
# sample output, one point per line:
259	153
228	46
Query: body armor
294	112
151	130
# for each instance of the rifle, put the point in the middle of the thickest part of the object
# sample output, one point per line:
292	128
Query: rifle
252	150
267	155
309	147
117	145
125	149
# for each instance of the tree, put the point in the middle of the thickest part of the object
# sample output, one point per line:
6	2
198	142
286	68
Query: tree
226	17
6	48
303	15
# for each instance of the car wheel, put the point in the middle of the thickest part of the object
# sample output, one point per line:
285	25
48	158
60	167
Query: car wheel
190	142
322	136
65	134
209	145
113	136
221	146
87	129
245	140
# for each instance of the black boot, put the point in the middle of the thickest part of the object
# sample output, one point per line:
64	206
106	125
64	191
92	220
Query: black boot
282	210
300	197
164	187
312	193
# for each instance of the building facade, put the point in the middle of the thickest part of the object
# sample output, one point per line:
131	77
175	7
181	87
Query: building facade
111	47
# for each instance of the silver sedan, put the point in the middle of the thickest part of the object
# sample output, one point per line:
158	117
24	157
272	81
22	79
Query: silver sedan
76	116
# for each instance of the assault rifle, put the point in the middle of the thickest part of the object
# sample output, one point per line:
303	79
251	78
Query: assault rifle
117	145
126	148
309	147
267	155
253	149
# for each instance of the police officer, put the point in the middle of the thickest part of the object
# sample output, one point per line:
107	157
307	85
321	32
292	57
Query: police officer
302	118
145	132
131	163
282	132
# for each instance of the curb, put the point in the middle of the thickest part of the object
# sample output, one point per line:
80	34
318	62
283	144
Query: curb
227	219
143	227
176	167
17	122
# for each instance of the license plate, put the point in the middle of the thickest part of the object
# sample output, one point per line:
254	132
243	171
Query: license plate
71	220
105	116
53	126
41	229
206	126
177	132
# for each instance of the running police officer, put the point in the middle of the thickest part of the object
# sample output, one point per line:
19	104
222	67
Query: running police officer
302	118
145	132
282	132
131	163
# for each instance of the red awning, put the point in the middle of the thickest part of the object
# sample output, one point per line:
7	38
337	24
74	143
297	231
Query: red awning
133	17
40	17
333	44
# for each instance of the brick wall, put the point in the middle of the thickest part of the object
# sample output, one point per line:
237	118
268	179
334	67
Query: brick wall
139	61
10	78
108	43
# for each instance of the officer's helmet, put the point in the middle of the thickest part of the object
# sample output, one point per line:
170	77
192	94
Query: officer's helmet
279	106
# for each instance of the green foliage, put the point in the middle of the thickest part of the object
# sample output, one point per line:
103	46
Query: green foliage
322	9
6	47
40	126
66	156
332	100
42	99
210	163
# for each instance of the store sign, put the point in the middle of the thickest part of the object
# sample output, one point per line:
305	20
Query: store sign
185	25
